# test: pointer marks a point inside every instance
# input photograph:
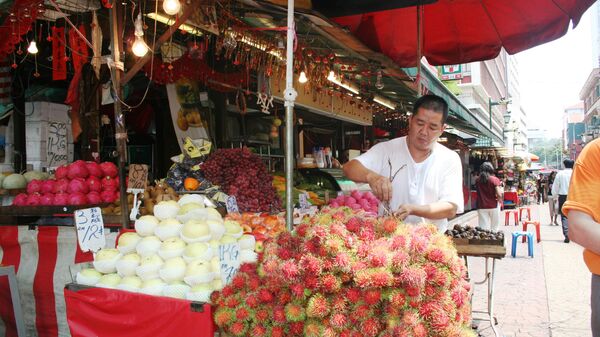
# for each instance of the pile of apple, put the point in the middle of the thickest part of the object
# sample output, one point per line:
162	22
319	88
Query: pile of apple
79	183
174	252
357	200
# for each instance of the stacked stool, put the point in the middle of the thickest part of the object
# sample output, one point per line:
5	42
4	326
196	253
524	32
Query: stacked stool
515	237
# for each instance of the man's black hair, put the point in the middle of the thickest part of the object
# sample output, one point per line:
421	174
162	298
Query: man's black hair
434	103
568	163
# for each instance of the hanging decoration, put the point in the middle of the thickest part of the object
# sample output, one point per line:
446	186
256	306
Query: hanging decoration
59	55
195	69
79	49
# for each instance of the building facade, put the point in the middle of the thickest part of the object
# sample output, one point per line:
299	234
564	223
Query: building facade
573	130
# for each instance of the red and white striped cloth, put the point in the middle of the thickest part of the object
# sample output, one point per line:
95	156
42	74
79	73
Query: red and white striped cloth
44	259
5	81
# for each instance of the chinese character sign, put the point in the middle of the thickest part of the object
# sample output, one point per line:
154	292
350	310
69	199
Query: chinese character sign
229	257
90	229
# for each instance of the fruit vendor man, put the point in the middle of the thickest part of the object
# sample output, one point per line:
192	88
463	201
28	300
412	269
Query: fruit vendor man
415	177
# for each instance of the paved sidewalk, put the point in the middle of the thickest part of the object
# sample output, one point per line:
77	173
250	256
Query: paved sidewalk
547	295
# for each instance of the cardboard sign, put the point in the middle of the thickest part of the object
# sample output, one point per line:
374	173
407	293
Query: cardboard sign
57	144
90	229
231	204
196	148
138	178
229	258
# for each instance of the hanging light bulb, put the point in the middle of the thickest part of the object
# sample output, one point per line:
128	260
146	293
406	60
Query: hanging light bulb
171	7
302	78
32	49
139	47
331	76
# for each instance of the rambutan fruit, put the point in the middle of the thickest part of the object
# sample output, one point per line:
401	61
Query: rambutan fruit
242	314
295	312
258	330
279	315
313	328
290	269
370	327
297	328
388	225
278	331
223	317
338	321
238	281
317	306
330	283
413	276
353	294
238	329
262	315
372	296
354	225
310	264
265	296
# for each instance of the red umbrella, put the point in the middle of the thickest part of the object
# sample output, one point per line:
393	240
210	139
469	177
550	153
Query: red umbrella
461	31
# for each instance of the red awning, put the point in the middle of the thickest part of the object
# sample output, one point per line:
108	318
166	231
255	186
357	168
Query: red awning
461	31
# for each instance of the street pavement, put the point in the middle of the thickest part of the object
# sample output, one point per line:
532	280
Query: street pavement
547	295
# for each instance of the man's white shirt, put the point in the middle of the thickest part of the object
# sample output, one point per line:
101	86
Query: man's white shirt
437	178
561	182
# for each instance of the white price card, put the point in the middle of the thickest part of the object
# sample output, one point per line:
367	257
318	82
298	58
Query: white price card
90	229
303	200
229	258
231	204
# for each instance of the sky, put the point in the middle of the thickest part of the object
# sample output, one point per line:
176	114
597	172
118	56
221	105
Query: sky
551	76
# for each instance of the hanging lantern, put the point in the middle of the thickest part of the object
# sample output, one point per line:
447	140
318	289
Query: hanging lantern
171	7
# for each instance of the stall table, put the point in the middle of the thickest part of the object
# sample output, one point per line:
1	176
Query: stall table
487	251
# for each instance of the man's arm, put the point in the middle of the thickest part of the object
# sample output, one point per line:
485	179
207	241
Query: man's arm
584	230
500	193
556	185
436	210
381	186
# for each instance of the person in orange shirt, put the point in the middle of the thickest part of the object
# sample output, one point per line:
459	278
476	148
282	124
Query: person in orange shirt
583	211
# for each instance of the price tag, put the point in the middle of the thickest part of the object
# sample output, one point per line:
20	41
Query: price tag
195	149
138	178
303	201
231	204
90	229
229	258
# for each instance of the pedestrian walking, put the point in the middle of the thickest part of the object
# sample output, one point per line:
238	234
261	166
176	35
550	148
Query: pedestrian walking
561	189
552	200
583	210
489	195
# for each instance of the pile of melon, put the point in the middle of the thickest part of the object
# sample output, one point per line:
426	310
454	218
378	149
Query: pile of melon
171	253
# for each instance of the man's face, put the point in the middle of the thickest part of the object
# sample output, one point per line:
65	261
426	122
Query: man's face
424	129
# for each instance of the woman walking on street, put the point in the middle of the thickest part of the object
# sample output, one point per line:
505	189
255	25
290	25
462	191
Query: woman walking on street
489	196
552	200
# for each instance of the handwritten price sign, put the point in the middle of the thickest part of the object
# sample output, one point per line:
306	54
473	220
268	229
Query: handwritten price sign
231	205
57	151
229	257
90	229
138	178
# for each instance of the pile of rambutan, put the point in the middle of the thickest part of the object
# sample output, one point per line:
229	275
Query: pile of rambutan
341	273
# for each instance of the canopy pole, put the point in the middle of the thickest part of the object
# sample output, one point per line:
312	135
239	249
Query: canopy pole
116	70
419	47
289	97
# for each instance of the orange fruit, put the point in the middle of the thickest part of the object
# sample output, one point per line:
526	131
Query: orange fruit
191	184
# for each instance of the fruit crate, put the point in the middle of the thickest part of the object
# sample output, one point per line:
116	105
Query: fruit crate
462	241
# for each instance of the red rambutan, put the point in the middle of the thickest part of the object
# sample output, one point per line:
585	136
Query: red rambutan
338	321
242	314
310	264
317	307
294	312
278	331
279	315
238	329
297	328
262	315
436	255
354	225
258	330
372	296
330	283
290	269
313	328
370	327
265	296
353	295
223	317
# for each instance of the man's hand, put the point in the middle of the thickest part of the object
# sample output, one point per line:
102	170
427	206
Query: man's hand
403	211
381	186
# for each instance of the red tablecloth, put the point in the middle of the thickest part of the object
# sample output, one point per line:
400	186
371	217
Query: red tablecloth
108	312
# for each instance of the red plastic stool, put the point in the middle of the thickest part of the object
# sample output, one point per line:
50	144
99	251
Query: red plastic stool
507	217
528	209
537	229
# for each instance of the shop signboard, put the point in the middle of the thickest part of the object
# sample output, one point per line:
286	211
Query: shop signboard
451	72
